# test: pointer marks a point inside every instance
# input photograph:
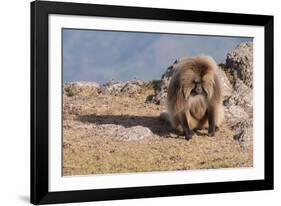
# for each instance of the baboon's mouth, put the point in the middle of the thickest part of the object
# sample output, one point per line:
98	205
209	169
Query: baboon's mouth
194	93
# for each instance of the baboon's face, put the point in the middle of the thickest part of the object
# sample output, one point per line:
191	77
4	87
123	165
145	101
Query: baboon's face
196	79
197	86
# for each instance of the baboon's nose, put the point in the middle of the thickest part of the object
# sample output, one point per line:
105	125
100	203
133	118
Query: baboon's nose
198	90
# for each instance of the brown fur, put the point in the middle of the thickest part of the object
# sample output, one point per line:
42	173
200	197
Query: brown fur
199	109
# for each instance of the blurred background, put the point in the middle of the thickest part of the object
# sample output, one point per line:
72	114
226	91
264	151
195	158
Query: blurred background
100	56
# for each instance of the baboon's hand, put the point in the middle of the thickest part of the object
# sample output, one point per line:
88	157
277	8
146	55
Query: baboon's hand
188	135
211	134
211	131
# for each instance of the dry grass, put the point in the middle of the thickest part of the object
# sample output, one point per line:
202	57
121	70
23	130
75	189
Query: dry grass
89	149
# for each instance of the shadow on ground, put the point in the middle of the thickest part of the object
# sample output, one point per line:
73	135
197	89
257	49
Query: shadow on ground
154	123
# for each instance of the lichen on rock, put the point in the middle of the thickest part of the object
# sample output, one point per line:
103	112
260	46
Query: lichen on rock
128	87
80	89
239	61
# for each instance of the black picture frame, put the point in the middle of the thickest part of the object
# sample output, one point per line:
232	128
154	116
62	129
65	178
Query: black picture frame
39	102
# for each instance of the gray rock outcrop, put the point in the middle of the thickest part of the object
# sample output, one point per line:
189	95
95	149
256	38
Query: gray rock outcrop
240	63
128	87
81	89
239	106
244	132
71	89
161	89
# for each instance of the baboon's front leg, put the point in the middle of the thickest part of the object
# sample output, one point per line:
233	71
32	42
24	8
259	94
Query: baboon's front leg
184	124
211	121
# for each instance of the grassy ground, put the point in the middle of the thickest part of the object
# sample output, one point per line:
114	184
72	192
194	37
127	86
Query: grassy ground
89	148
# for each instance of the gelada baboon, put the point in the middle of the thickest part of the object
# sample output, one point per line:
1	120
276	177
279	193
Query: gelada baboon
195	96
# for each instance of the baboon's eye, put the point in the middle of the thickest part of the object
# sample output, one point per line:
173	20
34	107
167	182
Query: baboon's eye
193	84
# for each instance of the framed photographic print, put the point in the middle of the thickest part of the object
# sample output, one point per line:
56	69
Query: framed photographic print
131	102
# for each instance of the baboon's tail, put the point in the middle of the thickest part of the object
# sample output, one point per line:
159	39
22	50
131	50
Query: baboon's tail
165	117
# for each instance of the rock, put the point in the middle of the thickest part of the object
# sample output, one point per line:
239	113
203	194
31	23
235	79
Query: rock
133	133
162	88
240	62
81	89
132	87
243	132
242	96
71	109
129	87
239	106
112	87
227	89
122	133
114	131
234	114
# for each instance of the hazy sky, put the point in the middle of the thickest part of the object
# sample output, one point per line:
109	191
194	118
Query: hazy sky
100	56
